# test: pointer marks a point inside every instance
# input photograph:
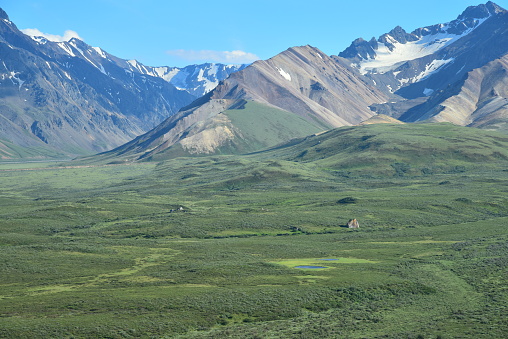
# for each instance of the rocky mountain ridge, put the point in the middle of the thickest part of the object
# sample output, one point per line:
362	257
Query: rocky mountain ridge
69	98
197	80
63	96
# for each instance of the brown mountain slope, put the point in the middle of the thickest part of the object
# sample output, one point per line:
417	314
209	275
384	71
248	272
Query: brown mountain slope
298	92
305	81
481	100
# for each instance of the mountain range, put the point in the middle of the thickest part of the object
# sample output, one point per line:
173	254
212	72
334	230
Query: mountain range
68	98
452	72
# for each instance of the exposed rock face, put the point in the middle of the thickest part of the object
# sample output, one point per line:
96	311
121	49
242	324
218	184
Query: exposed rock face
361	49
3	15
480	100
353	223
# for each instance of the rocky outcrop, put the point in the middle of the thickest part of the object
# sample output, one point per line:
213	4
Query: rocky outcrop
353	223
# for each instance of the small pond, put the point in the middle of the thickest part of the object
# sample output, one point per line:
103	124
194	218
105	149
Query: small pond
311	267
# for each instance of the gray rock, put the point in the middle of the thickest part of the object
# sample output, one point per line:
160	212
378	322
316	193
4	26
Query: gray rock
353	223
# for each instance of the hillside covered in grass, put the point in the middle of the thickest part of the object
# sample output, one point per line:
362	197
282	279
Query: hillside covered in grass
384	149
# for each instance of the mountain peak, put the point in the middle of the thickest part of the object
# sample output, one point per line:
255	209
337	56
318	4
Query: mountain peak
495	8
307	50
303	48
79	43
361	48
399	34
481	11
3	15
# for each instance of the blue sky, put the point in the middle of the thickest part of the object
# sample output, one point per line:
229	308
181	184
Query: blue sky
179	33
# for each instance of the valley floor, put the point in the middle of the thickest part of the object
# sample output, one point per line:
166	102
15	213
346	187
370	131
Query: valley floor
195	248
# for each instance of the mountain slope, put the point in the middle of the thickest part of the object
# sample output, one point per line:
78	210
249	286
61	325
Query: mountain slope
398	59
305	81
481	100
318	92
71	98
196	79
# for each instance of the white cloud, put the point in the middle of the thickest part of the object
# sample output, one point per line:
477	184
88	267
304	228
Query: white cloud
227	57
68	35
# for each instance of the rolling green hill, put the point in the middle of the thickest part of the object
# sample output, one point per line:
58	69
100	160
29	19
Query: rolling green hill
11	151
387	149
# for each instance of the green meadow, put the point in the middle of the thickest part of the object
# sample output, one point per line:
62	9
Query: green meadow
209	247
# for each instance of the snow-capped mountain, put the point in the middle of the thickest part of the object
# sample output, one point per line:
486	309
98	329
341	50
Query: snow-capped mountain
197	80
430	65
395	48
398	59
70	98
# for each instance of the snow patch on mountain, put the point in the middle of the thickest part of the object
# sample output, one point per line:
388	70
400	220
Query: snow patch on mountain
66	48
207	83
13	76
286	75
428	92
73	44
100	52
432	68
390	56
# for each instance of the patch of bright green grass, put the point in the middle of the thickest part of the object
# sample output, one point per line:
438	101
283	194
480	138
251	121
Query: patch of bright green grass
263	126
293	263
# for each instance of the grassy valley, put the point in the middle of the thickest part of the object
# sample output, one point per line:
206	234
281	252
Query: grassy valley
209	247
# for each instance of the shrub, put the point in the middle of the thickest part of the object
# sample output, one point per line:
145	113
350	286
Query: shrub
347	200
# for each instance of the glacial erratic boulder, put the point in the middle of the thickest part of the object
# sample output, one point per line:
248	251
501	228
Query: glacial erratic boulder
353	223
